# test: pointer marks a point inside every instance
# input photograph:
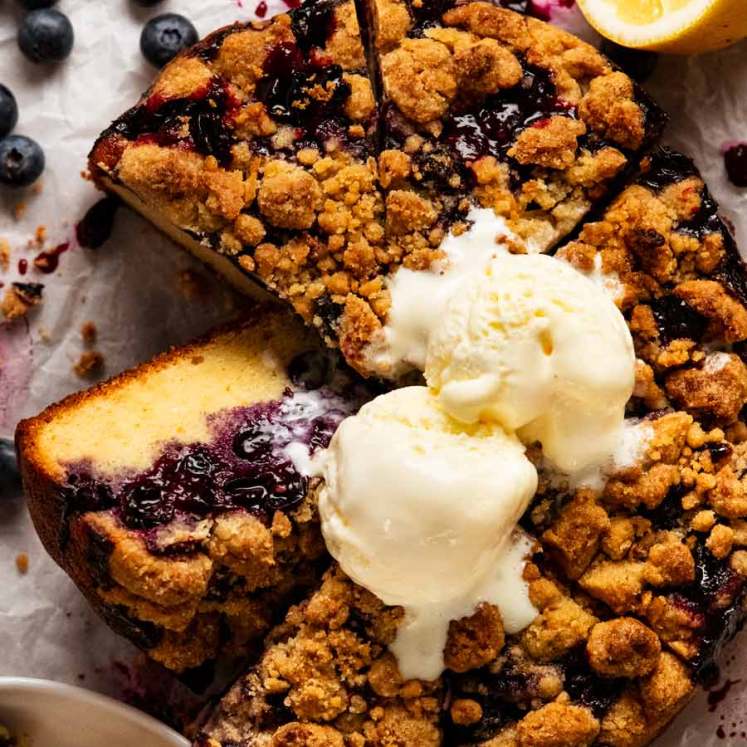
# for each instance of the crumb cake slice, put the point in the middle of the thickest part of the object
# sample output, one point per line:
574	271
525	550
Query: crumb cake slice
317	155
255	150
175	494
637	583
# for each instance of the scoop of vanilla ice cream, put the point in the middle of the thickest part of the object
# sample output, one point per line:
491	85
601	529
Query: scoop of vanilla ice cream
537	346
419	297
421	509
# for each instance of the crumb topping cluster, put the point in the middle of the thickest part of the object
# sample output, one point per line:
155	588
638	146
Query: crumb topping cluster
185	606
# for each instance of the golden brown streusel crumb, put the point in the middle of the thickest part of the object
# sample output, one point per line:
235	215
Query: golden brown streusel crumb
17	302
574	537
623	647
22	563
474	641
4	255
557	725
88	333
89	365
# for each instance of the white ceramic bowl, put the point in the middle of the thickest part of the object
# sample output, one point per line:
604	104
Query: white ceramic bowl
56	715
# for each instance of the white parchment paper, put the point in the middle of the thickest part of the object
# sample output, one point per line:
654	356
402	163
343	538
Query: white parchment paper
131	289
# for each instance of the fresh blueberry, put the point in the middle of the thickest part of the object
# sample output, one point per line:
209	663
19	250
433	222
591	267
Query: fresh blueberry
46	35
165	36
8	111
36	4
10	479
735	160
21	161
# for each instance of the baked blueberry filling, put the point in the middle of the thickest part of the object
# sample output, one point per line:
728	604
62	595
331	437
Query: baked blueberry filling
666	167
313	24
255	462
208	112
676	320
492	127
735	161
290	89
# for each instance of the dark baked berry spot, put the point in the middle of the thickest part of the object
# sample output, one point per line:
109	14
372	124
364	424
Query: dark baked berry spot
96	226
311	370
587	688
144	506
208	111
492	127
313	23
637	63
676	320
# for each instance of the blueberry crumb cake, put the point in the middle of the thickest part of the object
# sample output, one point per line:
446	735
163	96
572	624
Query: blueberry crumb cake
450	189
291	152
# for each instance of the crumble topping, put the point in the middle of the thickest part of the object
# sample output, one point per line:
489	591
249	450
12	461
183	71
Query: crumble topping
19	299
259	144
674	259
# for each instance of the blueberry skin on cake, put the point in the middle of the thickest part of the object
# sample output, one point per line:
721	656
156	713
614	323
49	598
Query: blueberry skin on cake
173	495
321	150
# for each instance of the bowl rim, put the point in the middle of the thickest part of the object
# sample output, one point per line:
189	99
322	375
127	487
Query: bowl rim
32	685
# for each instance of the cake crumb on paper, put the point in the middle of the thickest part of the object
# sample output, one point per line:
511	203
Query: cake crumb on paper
89	333
19	298
22	563
40	235
4	255
89	365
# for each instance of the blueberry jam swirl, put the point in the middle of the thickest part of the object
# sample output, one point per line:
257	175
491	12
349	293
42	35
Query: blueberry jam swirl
258	459
492	127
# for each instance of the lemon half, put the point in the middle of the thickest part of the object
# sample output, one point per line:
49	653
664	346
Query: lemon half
678	26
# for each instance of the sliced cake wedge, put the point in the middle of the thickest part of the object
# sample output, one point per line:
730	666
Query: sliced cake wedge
176	495
255	150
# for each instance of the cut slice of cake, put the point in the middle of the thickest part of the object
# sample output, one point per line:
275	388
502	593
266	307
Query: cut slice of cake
176	495
254	150
265	151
